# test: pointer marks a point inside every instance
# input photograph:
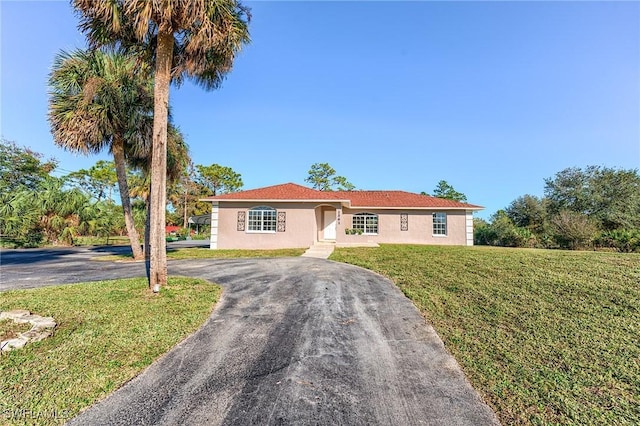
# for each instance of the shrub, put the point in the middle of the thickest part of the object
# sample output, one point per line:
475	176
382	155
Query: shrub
200	236
503	232
573	230
350	231
623	240
485	235
182	233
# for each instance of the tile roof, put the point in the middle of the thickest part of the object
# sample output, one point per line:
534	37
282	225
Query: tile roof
286	191
398	199
354	199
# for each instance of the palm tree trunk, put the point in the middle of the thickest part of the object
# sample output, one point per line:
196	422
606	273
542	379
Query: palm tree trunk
118	158
164	58
147	239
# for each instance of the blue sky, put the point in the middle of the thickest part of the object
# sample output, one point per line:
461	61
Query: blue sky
493	97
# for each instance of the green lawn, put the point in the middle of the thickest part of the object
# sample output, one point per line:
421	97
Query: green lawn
547	337
98	241
107	333
206	253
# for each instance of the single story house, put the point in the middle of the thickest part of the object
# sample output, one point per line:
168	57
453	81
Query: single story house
294	216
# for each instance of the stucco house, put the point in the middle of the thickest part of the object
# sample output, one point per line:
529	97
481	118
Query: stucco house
294	216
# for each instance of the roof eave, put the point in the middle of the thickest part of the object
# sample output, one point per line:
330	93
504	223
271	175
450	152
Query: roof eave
346	203
419	208
272	200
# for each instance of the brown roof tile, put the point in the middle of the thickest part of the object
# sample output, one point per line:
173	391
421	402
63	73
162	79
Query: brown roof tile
286	191
357	199
399	199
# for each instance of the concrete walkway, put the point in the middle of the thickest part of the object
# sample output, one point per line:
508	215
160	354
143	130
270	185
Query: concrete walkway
293	341
320	250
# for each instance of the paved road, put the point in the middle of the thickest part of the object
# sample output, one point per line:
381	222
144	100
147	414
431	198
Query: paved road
30	268
293	341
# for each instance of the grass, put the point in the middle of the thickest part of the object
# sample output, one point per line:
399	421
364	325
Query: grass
546	337
98	241
10	329
107	333
206	253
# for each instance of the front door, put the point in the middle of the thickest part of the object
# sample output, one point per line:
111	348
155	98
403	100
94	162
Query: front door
329	220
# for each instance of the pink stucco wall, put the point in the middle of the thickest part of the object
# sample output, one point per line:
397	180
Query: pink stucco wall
300	228
420	228
304	226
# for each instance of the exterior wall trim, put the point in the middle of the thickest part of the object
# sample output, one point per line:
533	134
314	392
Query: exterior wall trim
408	208
469	226
215	211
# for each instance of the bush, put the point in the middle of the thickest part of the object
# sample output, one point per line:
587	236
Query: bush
573	230
182	233
623	240
201	236
485	236
503	232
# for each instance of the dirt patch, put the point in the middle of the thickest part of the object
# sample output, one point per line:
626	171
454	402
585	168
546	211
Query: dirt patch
9	329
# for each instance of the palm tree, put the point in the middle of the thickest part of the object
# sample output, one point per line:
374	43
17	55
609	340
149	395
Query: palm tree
100	100
195	39
62	213
177	162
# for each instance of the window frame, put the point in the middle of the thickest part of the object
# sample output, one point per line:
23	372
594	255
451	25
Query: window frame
439	226
272	221
365	216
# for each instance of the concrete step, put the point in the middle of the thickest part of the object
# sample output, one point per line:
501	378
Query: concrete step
320	250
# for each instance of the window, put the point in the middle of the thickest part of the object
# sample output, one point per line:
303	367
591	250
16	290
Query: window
439	224
262	219
367	222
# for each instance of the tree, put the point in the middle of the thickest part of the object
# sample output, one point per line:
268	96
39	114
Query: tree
581	208
182	194
195	39
574	230
21	167
99	180
503	232
342	184
483	232
36	207
323	178
48	212
529	212
444	190
178	161
569	190
198	181
22	173
185	198
216	179
61	212
100	100
616	198
609	196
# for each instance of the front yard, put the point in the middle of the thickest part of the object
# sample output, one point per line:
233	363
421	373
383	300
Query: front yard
107	333
546	337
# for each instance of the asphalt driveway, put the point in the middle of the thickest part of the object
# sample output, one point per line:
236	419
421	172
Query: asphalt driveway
293	341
